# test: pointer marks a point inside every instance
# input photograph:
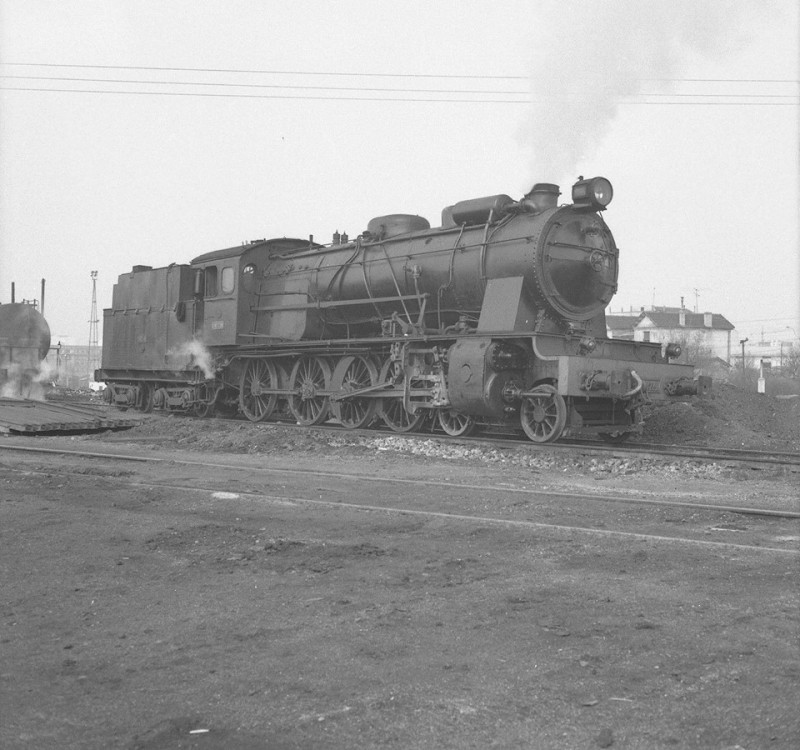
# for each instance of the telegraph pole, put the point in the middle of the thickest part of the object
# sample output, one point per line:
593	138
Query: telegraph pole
93	321
743	342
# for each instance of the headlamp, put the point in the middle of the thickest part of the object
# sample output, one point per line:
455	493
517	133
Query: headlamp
595	192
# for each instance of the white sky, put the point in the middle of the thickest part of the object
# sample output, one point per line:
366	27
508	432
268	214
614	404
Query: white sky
706	192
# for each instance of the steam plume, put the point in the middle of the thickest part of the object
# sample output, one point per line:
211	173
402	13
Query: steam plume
26	380
591	55
193	354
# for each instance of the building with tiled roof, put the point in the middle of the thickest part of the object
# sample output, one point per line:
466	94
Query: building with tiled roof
621	326
706	334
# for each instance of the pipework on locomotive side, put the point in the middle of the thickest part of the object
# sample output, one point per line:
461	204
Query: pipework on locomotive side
496	318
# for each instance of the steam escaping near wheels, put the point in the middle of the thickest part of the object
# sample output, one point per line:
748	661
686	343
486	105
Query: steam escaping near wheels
24	344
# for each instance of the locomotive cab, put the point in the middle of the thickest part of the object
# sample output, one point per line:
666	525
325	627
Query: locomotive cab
216	293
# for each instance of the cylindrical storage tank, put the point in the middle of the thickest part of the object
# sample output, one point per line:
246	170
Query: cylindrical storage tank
24	343
24	335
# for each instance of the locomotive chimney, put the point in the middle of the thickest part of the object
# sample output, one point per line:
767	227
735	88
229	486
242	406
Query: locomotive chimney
543	195
41	302
12	292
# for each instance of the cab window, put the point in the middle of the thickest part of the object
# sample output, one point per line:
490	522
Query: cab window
211	281
227	280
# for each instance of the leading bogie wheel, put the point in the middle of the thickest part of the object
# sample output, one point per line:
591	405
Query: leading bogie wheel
455	423
354	373
310	376
258	378
543	414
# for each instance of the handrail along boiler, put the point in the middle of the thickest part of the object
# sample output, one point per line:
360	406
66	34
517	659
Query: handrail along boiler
497	317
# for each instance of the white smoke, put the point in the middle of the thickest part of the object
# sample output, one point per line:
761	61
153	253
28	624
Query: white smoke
591	56
27	379
193	354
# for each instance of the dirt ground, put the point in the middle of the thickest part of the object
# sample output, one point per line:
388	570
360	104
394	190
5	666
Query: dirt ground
250	601
732	418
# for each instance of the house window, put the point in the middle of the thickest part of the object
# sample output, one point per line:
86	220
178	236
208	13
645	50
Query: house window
227	280
645	335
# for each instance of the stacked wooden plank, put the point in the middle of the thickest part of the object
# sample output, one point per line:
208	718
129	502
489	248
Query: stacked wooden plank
25	417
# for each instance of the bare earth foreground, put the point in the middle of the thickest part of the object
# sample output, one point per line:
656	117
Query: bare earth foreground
295	590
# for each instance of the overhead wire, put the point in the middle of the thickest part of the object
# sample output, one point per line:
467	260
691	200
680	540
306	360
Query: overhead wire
376	98
372	74
369	89
427	94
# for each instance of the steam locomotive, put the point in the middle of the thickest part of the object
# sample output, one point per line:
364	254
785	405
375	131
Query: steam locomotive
495	318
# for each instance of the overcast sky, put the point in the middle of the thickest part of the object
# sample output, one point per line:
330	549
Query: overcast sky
269	118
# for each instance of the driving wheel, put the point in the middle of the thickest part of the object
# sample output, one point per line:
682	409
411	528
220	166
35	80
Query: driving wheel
309	377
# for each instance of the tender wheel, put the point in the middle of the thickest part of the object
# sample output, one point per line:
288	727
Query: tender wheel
145	398
455	423
353	374
258	377
310	375
391	409
543	414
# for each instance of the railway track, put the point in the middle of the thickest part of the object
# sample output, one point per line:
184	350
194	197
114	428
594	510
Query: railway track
408	482
750	457
754	458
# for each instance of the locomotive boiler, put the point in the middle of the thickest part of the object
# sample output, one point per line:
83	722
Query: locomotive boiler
494	318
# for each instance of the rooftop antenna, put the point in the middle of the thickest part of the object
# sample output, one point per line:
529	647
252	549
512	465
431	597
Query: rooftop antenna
697	297
93	321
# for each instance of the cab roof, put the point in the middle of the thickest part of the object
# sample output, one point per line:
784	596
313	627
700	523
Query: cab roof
274	246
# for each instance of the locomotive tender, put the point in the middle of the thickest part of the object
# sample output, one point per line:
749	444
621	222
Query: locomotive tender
497	317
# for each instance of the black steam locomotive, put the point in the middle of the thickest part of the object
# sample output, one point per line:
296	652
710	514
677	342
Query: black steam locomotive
494	318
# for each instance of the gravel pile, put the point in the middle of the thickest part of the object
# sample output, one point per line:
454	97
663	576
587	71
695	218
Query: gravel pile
732	418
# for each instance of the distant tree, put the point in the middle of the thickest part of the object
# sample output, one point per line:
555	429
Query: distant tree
790	364
694	348
745	377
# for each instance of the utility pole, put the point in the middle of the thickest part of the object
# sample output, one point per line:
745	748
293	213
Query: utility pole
743	342
93	321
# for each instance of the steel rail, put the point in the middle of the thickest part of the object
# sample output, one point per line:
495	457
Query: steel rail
226	494
768	512
647	450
